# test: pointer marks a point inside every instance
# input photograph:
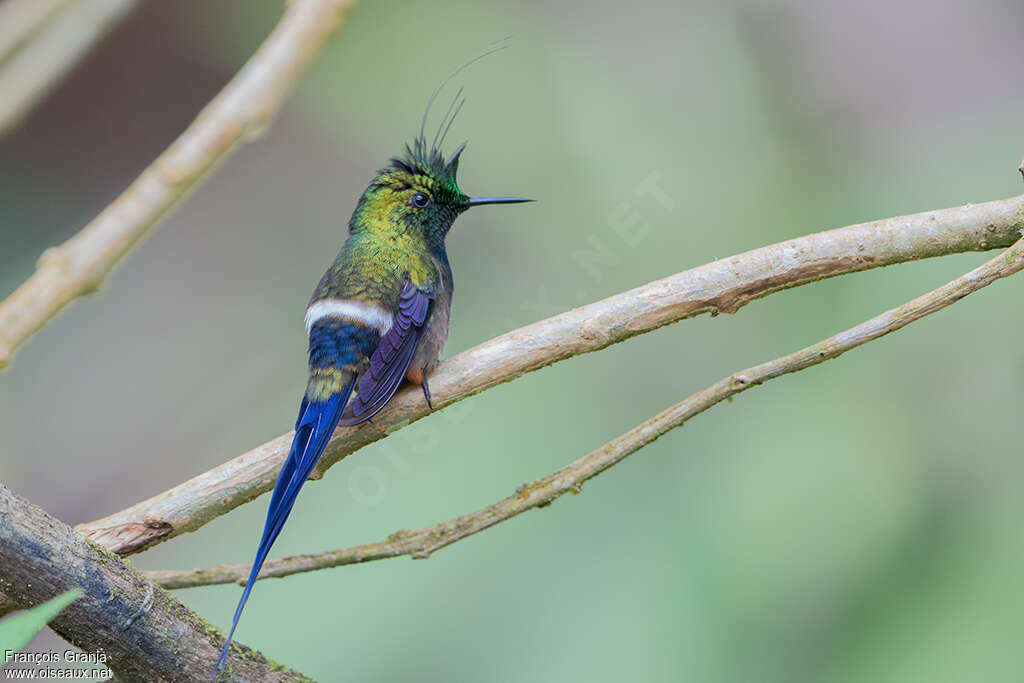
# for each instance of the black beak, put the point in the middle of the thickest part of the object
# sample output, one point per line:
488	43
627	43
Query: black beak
480	201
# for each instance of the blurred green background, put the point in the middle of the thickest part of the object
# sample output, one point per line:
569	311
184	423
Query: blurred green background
856	522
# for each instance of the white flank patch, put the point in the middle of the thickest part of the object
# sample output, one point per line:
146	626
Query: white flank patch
350	310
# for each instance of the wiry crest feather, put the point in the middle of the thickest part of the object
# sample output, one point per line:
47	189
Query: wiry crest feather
423	158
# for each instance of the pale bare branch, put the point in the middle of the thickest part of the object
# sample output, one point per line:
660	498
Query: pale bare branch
422	542
722	286
240	112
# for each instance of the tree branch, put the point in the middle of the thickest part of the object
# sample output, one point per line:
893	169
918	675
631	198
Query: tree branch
422	542
147	633
240	112
722	286
41	41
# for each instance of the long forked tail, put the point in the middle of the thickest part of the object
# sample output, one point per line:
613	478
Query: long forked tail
316	423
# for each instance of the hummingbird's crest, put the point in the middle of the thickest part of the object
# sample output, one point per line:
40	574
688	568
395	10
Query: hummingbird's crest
423	158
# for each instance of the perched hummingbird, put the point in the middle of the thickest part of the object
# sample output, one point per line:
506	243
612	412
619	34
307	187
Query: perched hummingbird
379	314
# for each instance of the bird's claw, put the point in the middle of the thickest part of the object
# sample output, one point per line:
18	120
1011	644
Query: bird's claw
426	393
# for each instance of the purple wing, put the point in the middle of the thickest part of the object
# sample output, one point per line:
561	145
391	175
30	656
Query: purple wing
390	361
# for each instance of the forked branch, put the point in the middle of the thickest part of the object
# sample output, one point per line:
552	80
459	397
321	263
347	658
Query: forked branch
721	286
422	542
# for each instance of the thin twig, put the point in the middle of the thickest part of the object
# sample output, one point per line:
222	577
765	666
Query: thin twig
422	542
240	112
722	286
41	41
147	633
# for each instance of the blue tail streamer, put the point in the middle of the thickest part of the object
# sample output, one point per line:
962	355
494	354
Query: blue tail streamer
313	429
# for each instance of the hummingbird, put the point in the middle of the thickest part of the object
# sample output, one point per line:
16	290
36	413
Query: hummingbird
379	314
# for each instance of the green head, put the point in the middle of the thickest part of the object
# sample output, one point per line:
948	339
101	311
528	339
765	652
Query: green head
417	195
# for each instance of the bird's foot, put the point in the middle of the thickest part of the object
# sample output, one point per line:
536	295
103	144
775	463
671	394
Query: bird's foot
426	393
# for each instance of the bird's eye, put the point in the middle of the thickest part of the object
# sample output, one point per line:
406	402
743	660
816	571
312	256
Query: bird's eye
420	200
